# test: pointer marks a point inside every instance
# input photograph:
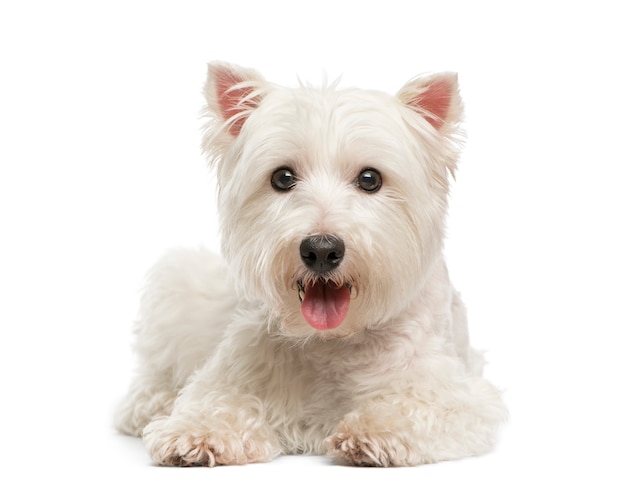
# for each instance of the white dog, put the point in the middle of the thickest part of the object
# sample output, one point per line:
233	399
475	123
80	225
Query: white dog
332	326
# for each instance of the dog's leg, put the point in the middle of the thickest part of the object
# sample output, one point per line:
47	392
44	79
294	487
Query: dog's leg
220	417
433	420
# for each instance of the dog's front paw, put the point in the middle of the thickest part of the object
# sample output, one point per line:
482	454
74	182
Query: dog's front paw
364	448
359	451
173	442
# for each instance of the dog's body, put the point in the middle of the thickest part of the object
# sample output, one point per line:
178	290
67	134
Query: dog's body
332	327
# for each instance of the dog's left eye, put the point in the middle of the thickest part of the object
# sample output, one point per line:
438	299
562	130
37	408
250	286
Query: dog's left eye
369	180
283	179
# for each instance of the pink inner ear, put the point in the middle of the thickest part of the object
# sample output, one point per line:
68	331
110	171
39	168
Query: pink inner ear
229	100
435	101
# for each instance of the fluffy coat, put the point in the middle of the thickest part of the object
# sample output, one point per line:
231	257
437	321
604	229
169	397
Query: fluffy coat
233	368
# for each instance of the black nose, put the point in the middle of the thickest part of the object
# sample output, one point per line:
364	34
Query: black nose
322	253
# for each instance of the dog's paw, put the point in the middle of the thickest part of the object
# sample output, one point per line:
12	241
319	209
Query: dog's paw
175	443
361	447
356	451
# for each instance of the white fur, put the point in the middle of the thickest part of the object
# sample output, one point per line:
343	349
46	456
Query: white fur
230	371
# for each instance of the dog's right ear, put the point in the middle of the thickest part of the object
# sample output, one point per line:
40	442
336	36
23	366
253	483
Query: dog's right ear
232	93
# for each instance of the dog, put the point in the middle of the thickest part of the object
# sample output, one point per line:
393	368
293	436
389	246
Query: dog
331	326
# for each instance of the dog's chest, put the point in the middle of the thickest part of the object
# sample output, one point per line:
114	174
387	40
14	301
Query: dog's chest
326	377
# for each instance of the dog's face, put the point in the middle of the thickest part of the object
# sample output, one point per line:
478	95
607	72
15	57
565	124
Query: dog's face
332	201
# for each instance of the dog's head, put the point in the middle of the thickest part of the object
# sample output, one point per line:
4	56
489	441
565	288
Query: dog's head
332	201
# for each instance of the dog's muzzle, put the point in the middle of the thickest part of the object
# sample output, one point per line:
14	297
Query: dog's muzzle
324	302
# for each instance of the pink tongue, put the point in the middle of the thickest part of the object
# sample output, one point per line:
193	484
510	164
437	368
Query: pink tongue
325	306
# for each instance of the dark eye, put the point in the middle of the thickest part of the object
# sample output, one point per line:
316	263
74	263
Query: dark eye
369	180
283	179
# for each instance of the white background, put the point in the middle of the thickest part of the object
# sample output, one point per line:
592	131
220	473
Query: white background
100	172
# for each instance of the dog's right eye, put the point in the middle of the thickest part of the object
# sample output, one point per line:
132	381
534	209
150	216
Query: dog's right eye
283	179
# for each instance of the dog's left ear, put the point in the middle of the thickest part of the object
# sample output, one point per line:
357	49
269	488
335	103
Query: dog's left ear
435	97
232	93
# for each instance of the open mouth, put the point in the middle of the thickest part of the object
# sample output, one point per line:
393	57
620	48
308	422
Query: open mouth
324	305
